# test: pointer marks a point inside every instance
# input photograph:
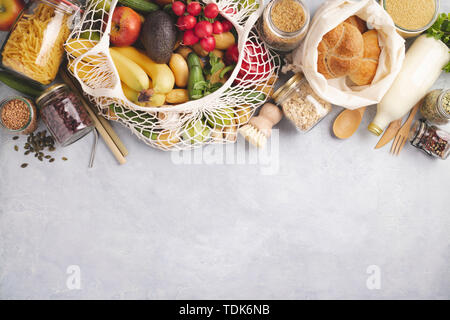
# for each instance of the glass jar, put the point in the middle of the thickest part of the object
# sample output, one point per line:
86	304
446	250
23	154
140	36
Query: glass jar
300	103
284	24
436	106
34	47
63	114
18	115
430	139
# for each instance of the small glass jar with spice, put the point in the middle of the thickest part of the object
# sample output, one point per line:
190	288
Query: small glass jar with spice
430	139
300	103
284	24
436	106
18	115
64	114
34	47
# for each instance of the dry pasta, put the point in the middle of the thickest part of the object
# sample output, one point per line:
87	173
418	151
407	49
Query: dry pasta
35	46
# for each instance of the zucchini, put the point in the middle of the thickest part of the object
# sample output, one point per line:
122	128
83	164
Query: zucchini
20	85
140	5
196	78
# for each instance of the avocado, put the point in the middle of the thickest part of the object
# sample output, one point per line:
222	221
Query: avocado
159	36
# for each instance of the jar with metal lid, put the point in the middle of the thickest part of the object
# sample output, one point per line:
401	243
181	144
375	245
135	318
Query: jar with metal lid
63	114
284	24
430	139
34	47
18	115
300	103
436	106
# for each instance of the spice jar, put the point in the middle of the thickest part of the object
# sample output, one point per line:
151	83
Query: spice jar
436	106
18	115
284	24
430	139
300	103
63	114
34	47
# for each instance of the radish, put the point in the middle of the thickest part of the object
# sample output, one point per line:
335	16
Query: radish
178	8
227	25
203	29
217	27
208	43
189	22
211	11
194	8
180	23
189	38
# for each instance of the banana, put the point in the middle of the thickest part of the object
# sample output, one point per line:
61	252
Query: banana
131	94
161	75
77	47
129	72
156	100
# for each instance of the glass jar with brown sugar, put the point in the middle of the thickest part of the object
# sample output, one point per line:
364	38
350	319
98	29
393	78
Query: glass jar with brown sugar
284	24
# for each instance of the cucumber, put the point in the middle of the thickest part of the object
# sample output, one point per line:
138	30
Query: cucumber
196	77
140	5
20	84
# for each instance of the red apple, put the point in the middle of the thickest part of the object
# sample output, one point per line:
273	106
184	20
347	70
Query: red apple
125	27
9	11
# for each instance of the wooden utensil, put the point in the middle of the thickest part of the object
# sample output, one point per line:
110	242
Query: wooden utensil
390	133
98	125
348	122
402	135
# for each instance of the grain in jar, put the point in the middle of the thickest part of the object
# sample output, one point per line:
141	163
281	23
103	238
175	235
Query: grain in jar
284	24
436	106
300	104
18	115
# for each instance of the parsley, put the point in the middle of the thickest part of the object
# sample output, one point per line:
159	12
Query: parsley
215	64
440	30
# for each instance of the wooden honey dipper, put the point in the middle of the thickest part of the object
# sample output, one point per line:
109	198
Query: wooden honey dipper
260	128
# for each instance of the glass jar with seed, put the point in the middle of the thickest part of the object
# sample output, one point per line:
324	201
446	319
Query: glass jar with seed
436	106
18	115
430	139
284	24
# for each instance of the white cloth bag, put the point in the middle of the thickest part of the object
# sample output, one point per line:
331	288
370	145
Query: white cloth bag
337	91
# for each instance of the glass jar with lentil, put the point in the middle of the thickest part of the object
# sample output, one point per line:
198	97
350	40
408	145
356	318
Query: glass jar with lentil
284	24
64	114
18	115
430	139
436	106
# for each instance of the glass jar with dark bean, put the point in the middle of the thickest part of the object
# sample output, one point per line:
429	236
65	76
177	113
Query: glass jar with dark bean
64	114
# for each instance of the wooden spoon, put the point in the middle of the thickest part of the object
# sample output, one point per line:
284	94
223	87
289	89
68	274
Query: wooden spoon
348	122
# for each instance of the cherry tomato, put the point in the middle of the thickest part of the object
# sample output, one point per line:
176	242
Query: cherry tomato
211	11
208	44
189	38
203	29
189	22
178	8
227	25
217	27
194	8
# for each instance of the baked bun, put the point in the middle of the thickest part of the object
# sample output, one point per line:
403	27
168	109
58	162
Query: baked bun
357	22
340	51
369	63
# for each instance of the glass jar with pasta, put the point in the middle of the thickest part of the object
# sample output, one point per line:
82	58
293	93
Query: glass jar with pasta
34	47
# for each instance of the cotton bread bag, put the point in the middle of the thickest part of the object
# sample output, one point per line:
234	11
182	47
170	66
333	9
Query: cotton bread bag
337	91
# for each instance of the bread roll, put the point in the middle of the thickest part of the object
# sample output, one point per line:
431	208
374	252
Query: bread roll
357	22
340	51
369	63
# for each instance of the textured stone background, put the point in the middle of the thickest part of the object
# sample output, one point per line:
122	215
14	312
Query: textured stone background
157	229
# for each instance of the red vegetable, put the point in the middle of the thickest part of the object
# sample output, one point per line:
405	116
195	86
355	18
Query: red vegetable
189	22
180	23
178	8
227	25
211	11
189	38
255	65
208	43
203	29
217	27
194	8
232	54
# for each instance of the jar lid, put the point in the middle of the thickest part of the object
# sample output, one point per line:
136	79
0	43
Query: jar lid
292	82
50	90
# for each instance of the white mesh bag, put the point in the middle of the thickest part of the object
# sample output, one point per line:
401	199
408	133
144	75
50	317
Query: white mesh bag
214	118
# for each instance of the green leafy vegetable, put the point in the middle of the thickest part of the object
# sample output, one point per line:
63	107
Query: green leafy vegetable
440	30
215	64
